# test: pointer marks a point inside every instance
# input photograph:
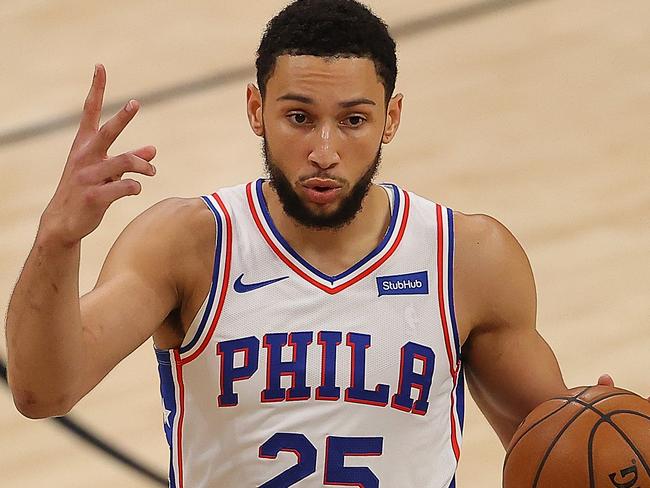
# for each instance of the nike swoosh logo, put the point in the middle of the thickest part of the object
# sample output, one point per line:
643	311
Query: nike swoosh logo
246	287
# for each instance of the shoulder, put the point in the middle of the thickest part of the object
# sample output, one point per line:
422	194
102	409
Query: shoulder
172	228
492	274
174	213
483	241
173	220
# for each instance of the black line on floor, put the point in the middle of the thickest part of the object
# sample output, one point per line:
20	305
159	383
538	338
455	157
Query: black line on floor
102	445
400	32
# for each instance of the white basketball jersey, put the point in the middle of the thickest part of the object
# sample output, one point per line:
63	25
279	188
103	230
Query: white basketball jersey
289	377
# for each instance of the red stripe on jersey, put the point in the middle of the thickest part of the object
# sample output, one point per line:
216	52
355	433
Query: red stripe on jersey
304	275
445	329
224	282
181	413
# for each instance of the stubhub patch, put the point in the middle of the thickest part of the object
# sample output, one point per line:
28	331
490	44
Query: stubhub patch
404	284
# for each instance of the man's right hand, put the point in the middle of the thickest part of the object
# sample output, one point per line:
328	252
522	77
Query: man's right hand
92	180
60	345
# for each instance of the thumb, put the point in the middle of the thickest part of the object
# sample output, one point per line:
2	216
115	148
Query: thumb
605	380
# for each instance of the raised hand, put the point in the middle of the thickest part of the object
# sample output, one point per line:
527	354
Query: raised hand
92	180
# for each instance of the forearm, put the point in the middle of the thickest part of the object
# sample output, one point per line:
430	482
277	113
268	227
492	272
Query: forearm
44	331
509	373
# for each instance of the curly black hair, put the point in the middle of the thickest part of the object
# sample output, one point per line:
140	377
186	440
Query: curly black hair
328	28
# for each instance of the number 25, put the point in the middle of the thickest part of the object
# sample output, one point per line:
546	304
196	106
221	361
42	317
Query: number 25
336	448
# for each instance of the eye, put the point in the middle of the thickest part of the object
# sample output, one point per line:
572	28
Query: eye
298	118
355	121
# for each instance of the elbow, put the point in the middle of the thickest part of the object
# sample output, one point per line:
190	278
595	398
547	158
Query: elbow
35	407
40	410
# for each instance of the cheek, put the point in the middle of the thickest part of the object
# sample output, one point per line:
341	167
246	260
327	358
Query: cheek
286	150
282	138
363	147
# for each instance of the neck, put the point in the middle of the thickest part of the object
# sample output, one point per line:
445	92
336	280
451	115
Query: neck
334	250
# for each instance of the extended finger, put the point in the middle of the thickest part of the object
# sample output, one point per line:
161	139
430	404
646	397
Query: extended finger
146	152
110	192
115	167
92	110
114	127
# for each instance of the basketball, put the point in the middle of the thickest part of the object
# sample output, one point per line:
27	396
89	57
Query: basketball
594	437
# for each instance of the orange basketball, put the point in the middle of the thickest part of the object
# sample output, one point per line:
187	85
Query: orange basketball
594	437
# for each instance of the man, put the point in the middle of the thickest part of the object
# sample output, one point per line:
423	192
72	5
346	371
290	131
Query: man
314	313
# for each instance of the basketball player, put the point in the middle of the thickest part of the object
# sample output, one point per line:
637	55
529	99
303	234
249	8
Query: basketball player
313	328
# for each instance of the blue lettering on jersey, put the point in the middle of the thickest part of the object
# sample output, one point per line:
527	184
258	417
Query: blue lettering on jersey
296	369
357	392
416	370
229	374
408	379
328	389
404	284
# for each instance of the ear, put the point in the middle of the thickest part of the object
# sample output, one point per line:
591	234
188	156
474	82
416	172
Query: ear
393	117
254	109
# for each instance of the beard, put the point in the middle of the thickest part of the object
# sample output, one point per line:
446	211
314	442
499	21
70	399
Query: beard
295	208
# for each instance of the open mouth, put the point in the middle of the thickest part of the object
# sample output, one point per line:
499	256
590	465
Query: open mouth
322	188
321	192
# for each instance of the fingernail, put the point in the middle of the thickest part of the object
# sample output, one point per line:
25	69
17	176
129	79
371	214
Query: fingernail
129	106
153	170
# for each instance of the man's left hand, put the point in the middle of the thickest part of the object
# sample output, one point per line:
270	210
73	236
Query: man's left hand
606	380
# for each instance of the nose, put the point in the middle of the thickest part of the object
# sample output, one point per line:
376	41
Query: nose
324	151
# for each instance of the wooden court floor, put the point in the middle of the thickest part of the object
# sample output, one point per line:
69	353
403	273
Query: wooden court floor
537	114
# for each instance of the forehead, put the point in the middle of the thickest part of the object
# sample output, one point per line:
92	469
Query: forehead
323	77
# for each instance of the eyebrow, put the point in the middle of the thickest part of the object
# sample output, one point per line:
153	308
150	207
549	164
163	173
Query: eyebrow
310	101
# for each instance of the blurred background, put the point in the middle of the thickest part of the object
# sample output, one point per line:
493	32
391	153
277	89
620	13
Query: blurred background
534	111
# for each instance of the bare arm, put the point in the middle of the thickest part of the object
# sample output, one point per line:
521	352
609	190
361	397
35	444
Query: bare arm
54	339
510	368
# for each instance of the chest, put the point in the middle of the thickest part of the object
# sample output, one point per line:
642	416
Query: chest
274	328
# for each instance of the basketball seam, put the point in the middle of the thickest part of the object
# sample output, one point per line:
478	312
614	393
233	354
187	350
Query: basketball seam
531	428
607	418
566	426
575	399
505	462
631	412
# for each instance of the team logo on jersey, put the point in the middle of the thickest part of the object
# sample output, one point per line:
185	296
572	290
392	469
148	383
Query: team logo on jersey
404	284
417	363
241	287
